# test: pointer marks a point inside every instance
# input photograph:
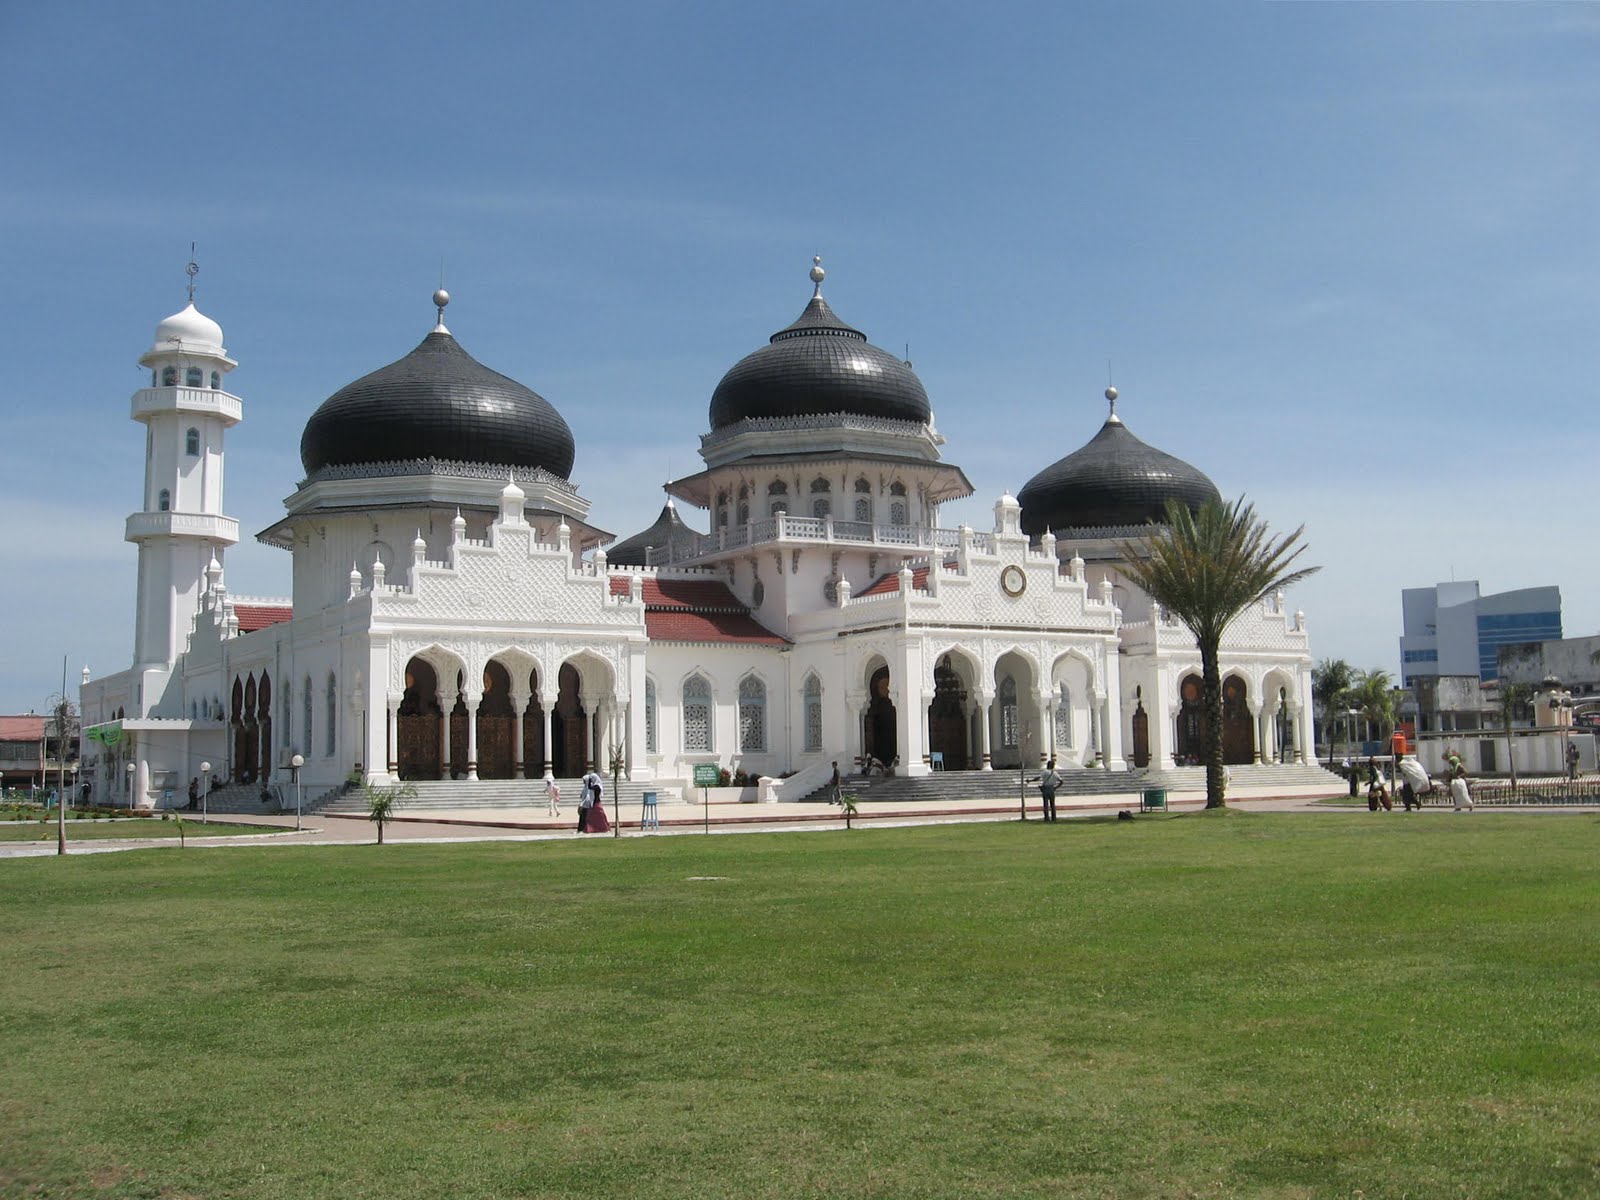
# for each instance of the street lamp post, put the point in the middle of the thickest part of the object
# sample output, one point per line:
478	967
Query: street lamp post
132	770
1353	713
297	762
205	791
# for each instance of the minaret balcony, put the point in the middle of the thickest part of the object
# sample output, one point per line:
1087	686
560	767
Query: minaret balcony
210	526
150	402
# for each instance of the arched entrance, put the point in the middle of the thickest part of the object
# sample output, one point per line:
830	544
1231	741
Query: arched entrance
1191	739
1141	731
247	764
236	722
264	725
496	724
1238	732
1238	738
533	731
947	717
419	724
880	736
458	731
569	727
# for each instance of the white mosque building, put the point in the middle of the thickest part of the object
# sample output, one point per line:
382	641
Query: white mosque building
453	615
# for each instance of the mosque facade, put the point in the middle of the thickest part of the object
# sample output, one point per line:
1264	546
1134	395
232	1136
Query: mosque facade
453	614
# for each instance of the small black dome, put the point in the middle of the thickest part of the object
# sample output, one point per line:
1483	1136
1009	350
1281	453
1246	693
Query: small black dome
1114	481
816	367
668	531
437	402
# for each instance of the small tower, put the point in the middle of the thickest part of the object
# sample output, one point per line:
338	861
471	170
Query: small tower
181	530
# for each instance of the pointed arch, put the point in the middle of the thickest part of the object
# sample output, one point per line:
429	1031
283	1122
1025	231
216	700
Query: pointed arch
811	707
698	731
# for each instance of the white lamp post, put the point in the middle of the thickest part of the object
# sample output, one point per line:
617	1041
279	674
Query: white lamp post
297	762
205	790
1353	713
132	768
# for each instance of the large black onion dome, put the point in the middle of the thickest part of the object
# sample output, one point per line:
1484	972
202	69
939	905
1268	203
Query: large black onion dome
668	531
437	402
815	367
1114	481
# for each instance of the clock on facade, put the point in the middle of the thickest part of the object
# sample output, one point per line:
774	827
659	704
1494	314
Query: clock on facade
1013	582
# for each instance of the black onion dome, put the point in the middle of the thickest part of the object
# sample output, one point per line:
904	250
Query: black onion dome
816	367
437	402
1115	480
668	530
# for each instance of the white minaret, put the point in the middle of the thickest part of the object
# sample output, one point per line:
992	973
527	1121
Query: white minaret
181	527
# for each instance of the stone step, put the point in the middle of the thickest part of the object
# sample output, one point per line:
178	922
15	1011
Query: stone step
458	794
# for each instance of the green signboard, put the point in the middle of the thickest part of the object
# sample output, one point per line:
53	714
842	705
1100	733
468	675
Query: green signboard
707	775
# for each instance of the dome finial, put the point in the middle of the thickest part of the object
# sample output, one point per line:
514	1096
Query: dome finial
191	271
1111	397
817	275
440	299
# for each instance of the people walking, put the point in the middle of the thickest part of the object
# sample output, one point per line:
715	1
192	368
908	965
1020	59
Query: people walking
833	786
1049	781
194	793
1459	795
552	796
1572	761
592	789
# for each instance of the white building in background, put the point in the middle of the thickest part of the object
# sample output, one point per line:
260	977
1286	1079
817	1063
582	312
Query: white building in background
452	613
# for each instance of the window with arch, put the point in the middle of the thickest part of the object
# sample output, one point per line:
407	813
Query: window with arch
169	376
331	717
821	498
722	510
863	509
164	501
744	512
650	716
305	714
899	510
696	714
752	714
777	498
813	714
1064	719
193	377
1008	713
216	381
191	443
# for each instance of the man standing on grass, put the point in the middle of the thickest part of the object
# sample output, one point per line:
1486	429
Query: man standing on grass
1048	783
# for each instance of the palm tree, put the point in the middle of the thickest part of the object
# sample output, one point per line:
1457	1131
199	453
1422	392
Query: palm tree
1512	697
1330	680
1206	567
1372	695
381	803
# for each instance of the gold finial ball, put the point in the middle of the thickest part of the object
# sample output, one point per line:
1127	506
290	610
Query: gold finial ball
1111	394
441	298
817	273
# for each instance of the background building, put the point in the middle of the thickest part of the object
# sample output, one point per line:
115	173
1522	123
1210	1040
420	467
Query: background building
1449	629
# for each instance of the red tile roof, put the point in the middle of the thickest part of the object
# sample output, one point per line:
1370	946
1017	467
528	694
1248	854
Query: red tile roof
886	584
258	616
26	728
696	610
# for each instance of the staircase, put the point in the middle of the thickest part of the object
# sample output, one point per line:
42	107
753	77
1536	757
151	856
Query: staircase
1000	786
444	795
243	798
1250	775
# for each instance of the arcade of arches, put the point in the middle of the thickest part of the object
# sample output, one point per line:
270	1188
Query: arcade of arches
250	722
505	741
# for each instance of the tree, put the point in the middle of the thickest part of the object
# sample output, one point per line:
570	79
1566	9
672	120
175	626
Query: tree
64	716
382	801
1206	567
1372	695
1330	680
1512	697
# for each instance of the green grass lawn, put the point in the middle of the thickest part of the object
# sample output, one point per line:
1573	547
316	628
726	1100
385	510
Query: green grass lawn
139	827
1233	1005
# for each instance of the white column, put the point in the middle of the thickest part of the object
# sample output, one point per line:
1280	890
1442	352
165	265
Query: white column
393	757
1097	726
473	699
548	704
1257	713
1047	730
1301	716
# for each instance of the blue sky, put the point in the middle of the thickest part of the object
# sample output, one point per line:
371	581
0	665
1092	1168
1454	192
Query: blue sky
1342	257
